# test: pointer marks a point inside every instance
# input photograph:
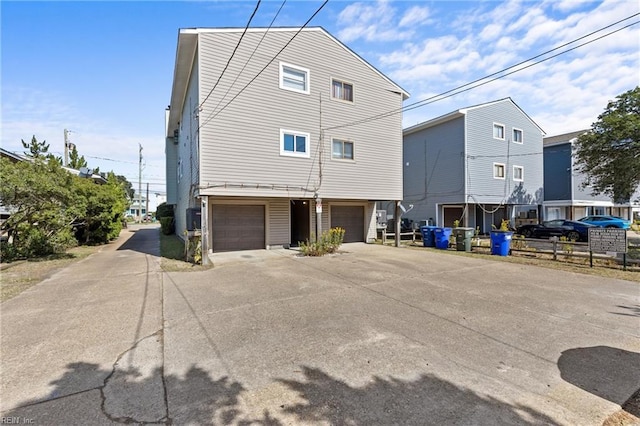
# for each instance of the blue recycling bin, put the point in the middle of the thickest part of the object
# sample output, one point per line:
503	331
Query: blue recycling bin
442	237
501	242
428	237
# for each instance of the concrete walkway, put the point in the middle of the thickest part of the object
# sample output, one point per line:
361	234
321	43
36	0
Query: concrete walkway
375	335
70	344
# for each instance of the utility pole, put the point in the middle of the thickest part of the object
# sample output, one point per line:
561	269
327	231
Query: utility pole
146	209
317	197
140	185
66	147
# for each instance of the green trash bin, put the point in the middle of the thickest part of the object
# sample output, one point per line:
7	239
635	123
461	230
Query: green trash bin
463	238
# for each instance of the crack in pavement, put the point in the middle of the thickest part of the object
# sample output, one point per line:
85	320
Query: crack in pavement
135	390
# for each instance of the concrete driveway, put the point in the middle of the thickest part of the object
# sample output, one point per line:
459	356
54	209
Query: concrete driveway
375	335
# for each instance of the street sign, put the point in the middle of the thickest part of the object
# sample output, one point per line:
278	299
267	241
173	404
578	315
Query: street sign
605	240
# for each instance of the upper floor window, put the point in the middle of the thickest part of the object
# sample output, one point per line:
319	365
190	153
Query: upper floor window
294	78
517	135
498	170
342	149
294	143
498	131
518	173
341	90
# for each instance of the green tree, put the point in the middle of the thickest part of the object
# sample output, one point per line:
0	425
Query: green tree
106	205
36	149
76	161
44	204
128	187
609	154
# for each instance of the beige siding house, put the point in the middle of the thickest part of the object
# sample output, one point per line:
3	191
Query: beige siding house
279	138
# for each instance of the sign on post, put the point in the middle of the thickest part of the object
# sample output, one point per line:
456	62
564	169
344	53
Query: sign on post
605	240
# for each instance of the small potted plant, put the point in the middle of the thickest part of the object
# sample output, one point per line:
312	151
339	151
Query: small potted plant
501	239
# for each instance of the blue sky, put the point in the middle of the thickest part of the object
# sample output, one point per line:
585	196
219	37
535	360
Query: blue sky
104	69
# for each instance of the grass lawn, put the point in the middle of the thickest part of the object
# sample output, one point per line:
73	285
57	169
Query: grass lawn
172	253
20	275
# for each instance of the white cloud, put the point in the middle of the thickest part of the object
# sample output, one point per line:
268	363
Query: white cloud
562	94
414	15
27	112
377	21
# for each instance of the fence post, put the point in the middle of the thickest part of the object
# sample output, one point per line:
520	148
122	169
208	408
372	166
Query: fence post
555	247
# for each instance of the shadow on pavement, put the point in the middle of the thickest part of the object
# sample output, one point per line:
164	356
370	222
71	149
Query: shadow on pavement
610	373
427	400
198	399
143	240
633	311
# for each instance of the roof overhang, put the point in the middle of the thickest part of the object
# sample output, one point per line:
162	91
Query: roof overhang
185	56
433	122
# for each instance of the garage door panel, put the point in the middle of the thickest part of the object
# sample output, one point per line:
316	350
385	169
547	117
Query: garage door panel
351	218
238	227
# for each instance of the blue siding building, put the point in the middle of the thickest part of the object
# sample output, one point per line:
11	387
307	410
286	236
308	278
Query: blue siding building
478	165
565	197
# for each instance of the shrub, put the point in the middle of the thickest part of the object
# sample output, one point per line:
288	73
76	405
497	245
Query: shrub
329	242
167	225
164	210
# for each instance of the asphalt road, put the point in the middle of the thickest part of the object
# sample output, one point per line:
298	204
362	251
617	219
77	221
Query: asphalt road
374	335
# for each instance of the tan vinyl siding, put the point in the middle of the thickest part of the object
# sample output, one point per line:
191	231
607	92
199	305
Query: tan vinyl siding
171	153
186	174
278	228
241	146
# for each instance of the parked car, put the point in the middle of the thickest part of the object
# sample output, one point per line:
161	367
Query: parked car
573	230
606	221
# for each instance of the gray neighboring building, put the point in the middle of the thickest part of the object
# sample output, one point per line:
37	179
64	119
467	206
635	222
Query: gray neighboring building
564	195
478	165
257	160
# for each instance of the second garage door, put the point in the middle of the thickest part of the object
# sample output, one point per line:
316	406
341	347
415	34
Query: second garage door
351	218
237	227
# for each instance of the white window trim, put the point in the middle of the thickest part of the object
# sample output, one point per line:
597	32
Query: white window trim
521	135
504	169
514	173
307	146
353	90
295	67
504	131
351	160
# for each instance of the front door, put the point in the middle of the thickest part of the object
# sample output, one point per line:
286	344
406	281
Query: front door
300	222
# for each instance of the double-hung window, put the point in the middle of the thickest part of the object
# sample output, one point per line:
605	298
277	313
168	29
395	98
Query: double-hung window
517	135
518	173
294	78
341	90
294	143
341	149
498	131
498	170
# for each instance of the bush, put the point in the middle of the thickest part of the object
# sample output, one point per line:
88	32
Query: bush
329	242
164	210
167	225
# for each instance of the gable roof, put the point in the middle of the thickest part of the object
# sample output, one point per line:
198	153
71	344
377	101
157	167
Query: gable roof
185	55
461	113
564	138
11	155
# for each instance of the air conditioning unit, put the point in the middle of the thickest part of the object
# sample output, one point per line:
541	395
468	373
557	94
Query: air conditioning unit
194	216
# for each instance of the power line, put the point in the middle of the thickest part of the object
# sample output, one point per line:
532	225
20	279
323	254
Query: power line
265	67
232	54
481	82
248	60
